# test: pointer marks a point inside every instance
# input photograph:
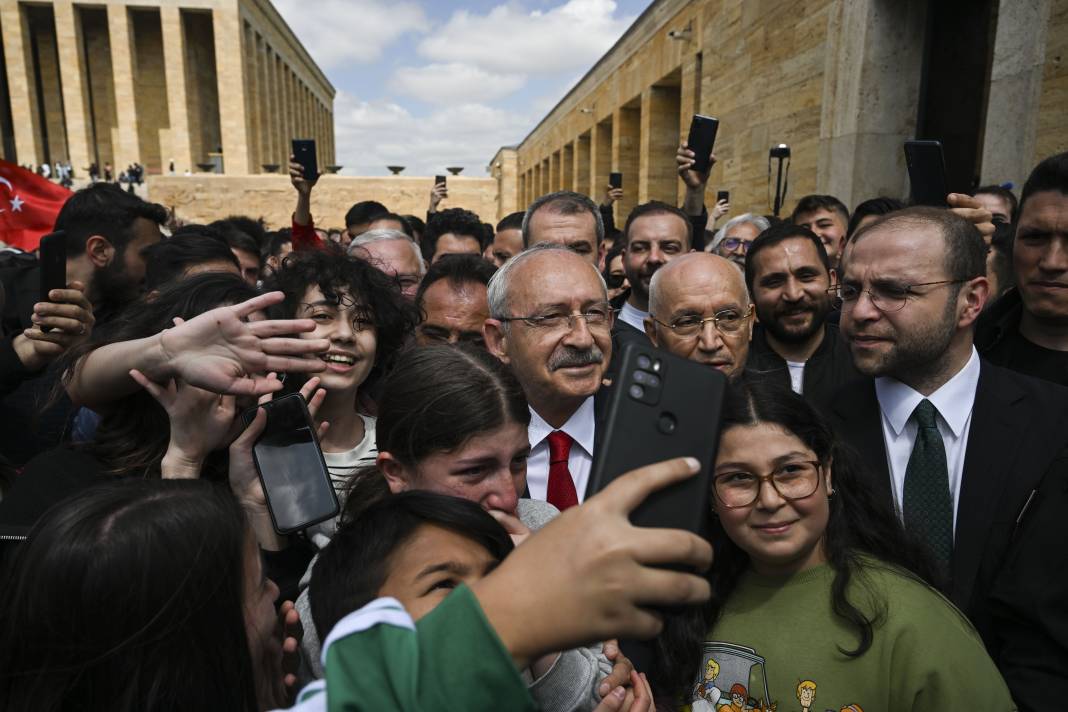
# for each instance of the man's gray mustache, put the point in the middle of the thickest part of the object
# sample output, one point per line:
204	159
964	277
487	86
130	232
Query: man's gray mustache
570	358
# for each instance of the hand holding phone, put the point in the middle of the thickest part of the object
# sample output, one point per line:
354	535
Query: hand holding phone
723	196
927	173
304	154
701	140
615	180
53	265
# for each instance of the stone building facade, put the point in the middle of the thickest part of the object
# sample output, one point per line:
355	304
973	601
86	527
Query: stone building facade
843	82
156	81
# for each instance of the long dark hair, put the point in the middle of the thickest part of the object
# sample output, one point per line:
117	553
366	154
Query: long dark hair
860	524
134	432
435	399
354	565
129	596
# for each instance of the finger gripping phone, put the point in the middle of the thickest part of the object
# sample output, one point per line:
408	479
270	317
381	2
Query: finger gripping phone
52	261
291	467
701	140
662	407
441	180
927	173
615	180
723	195
304	153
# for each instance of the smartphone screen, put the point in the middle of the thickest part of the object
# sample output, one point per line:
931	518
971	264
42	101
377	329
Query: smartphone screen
291	467
304	152
662	407
701	140
615	180
52	261
723	195
927	173
438	180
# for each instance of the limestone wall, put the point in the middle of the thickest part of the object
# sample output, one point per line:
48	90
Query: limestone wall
206	197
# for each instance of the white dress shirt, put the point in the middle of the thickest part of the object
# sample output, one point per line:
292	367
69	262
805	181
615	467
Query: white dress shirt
580	426
633	316
953	401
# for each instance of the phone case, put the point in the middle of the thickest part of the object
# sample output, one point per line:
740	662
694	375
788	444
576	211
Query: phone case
304	152
615	180
927	173
701	140
440	179
52	260
662	407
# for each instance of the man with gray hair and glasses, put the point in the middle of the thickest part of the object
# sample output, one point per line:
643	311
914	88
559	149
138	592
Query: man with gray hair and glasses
394	253
551	322
733	239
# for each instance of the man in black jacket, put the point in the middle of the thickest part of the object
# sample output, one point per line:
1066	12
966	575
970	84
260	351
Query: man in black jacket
788	275
974	457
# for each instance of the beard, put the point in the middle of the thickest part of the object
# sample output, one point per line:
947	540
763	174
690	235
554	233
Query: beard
916	352
772	320
639	279
112	287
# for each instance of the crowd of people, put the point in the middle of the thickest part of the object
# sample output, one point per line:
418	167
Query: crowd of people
885	499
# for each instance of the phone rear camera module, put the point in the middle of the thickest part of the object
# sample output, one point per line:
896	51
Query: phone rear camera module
666	423
636	392
644	362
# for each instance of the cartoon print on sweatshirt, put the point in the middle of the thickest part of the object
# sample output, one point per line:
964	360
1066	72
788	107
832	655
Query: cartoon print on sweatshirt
732	679
806	694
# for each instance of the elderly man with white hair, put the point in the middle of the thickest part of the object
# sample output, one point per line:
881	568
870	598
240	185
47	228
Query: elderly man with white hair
733	239
394	253
699	309
551	322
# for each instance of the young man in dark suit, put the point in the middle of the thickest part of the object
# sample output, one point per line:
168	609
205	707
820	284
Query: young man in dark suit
972	456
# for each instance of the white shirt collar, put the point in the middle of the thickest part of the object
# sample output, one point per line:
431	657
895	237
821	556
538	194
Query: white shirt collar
634	316
954	400
580	426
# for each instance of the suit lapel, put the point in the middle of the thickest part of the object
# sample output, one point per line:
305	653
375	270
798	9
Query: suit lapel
860	425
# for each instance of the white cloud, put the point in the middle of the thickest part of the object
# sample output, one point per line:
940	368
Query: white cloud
454	82
371	135
341	32
510	39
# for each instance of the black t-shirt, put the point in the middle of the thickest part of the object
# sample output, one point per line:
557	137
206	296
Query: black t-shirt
1018	354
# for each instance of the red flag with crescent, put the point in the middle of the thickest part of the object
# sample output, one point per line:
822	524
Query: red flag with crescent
28	206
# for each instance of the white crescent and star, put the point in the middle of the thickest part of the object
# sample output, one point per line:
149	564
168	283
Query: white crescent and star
16	202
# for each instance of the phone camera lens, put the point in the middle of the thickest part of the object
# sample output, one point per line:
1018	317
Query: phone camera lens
644	362
641	377
636	391
652	381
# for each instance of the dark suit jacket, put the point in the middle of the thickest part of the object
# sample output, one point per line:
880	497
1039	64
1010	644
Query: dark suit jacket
1009	571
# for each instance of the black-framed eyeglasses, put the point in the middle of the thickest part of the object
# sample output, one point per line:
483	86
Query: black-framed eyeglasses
886	296
792	481
733	243
596	317
727	321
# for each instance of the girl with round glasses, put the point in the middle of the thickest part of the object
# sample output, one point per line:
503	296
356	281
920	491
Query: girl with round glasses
814	579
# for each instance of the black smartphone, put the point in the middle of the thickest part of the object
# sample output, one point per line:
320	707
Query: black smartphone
291	466
304	152
701	140
52	260
662	407
438	180
927	173
723	195
615	180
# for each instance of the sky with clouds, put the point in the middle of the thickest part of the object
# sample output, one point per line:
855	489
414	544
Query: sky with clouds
433	83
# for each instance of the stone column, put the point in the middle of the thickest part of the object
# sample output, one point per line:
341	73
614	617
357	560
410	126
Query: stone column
263	71
600	158
554	172
252	98
626	145
658	178
21	84
125	139
72	72
1016	74
581	177
567	166
230	71
174	55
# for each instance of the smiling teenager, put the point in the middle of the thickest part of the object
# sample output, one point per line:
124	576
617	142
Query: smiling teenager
815	580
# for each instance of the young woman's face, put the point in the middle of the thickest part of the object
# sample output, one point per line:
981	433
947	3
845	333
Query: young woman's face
490	469
260	593
430	564
352	335
781	536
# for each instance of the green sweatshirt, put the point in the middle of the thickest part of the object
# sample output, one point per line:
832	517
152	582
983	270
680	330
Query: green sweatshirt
377	660
776	647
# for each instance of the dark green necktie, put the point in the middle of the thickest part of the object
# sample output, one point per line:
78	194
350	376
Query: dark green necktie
927	504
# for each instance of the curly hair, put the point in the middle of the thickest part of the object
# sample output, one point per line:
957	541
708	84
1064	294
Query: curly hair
455	220
335	274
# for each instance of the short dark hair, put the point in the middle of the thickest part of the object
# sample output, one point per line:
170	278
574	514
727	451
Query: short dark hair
236	238
458	270
455	220
364	212
353	567
564	202
107	210
1050	174
872	206
965	249
276	240
773	236
253	227
406	226
168	259
511	221
1004	193
334	272
656	207
812	203
416	224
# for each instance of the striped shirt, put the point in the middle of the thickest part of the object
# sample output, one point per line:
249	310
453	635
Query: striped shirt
342	466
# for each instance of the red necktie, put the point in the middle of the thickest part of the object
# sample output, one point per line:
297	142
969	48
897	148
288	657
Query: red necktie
561	493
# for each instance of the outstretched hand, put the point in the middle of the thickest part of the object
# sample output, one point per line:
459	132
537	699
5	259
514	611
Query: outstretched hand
221	351
685	158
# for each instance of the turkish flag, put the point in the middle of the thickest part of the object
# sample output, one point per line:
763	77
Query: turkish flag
28	206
